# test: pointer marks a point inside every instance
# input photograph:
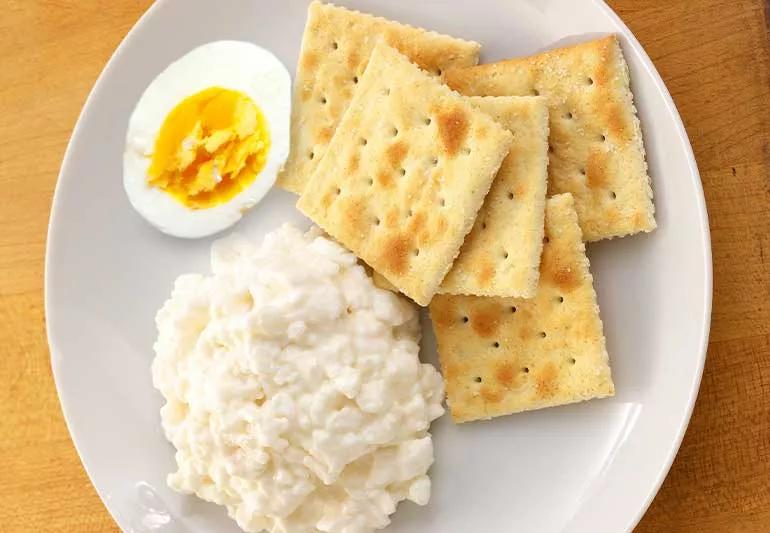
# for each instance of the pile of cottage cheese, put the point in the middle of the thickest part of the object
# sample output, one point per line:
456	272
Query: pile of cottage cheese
294	394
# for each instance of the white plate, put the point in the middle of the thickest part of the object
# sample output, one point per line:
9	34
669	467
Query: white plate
588	467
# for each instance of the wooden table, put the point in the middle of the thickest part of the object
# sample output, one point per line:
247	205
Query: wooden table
714	56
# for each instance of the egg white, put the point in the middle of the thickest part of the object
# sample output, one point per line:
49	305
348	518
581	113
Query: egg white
236	65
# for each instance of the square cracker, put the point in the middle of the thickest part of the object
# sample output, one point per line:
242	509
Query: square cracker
336	47
405	173
501	254
596	141
505	355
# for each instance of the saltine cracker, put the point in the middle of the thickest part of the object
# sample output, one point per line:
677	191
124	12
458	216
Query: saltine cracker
597	152
505	355
501	254
336	47
405	173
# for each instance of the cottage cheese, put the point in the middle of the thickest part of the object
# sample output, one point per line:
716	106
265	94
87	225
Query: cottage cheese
294	394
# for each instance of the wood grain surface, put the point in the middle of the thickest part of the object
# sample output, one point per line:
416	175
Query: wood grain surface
715	58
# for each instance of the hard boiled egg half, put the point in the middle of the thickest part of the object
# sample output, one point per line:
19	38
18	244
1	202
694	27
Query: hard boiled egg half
208	138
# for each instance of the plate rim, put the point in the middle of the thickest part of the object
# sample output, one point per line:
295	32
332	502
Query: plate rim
699	203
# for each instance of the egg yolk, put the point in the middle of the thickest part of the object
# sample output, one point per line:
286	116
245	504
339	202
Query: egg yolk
211	146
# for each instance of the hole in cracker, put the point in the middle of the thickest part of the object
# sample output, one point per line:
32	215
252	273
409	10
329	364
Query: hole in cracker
311	155
427	121
465	319
583	171
323	100
434	161
483	225
550	148
377	221
416	252
439	72
355	79
370	182
337	191
505	255
442	202
602	138
402	171
613	195
477	379
568	115
394	131
542	335
525	370
513	309
546	240
409	213
590	81
363	141
386	92
496	344
467	151
335	45
572	360
535	92
560	299
510	196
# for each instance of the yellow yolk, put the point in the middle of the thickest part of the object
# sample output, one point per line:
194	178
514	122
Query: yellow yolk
210	147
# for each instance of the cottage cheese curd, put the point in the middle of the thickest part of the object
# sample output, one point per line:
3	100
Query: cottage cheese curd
294	394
